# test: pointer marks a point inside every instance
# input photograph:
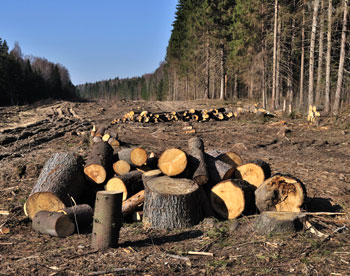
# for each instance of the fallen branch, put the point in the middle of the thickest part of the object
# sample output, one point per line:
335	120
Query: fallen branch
200	253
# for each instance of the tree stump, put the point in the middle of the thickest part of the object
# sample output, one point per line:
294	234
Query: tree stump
280	193
107	220
232	198
99	162
134	156
197	162
171	203
129	184
81	215
254	172
60	179
53	223
172	162
132	203
277	222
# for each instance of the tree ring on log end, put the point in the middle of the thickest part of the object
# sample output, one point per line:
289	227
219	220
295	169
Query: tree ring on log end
172	186
42	201
172	162
117	185
96	173
251	173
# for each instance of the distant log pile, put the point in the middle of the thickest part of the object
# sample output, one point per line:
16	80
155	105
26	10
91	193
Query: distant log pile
204	115
175	188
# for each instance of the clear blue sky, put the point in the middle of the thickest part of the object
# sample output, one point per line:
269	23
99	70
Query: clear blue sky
93	39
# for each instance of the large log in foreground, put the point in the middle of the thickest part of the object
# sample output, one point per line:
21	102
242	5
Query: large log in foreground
171	203
107	220
53	223
232	198
99	162
60	179
280	193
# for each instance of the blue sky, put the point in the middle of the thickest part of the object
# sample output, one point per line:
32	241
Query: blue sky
94	40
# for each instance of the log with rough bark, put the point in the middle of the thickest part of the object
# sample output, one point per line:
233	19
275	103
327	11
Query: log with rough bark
121	167
280	193
171	203
172	162
232	198
134	156
254	172
229	157
218	170
60	179
115	144
129	184
81	215
197	162
132	203
53	223
107	220
99	162
278	222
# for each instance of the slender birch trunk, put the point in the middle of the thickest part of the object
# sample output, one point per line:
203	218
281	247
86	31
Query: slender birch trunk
222	73
328	60
274	73
320	57
302	61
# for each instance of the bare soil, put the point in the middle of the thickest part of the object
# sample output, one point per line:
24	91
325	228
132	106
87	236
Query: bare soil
316	154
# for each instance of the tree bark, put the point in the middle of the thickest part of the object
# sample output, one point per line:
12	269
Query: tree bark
53	223
197	162
320	57
60	179
337	97
274	65
171	203
132	203
81	215
222	72
302	60
107	220
328	60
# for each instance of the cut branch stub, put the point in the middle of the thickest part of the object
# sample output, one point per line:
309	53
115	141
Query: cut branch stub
280	193
172	162
231	198
99	162
60	179
171	203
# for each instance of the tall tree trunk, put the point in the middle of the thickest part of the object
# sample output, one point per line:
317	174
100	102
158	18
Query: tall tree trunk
336	105
207	69
235	87
222	72
320	57
274	73
290	93
302	61
278	79
312	53
328	60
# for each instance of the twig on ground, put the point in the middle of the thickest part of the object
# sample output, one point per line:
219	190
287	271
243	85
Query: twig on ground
200	253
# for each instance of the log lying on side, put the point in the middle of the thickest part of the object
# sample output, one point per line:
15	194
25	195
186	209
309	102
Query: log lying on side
232	198
171	203
254	172
280	193
121	167
53	223
99	162
134	156
197	162
132	203
231	158
278	222
81	214
60	179
218	170
129	184
172	162
107	220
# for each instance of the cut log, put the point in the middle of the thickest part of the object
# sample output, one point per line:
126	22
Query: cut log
172	162
232	198
254	172
129	184
60	179
107	220
53	223
197	162
81	215
99	162
134	156
121	167
280	193
278	222
218	170
97	139
100	131
115	144
171	203
132	203
230	157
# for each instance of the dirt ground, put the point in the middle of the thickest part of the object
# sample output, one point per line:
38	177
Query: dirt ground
316	154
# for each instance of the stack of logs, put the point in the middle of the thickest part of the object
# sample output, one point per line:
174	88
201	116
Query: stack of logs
174	189
204	115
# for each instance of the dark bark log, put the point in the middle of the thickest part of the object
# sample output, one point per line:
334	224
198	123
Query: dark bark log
132	203
171	203
197	162
99	162
218	170
53	223
60	179
81	215
107	220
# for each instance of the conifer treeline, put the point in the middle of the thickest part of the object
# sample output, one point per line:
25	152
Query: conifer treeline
25	80
286	54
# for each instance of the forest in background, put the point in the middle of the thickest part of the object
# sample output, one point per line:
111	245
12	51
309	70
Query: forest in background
26	79
285	54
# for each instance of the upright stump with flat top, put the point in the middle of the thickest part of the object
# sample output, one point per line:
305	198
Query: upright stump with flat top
107	220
